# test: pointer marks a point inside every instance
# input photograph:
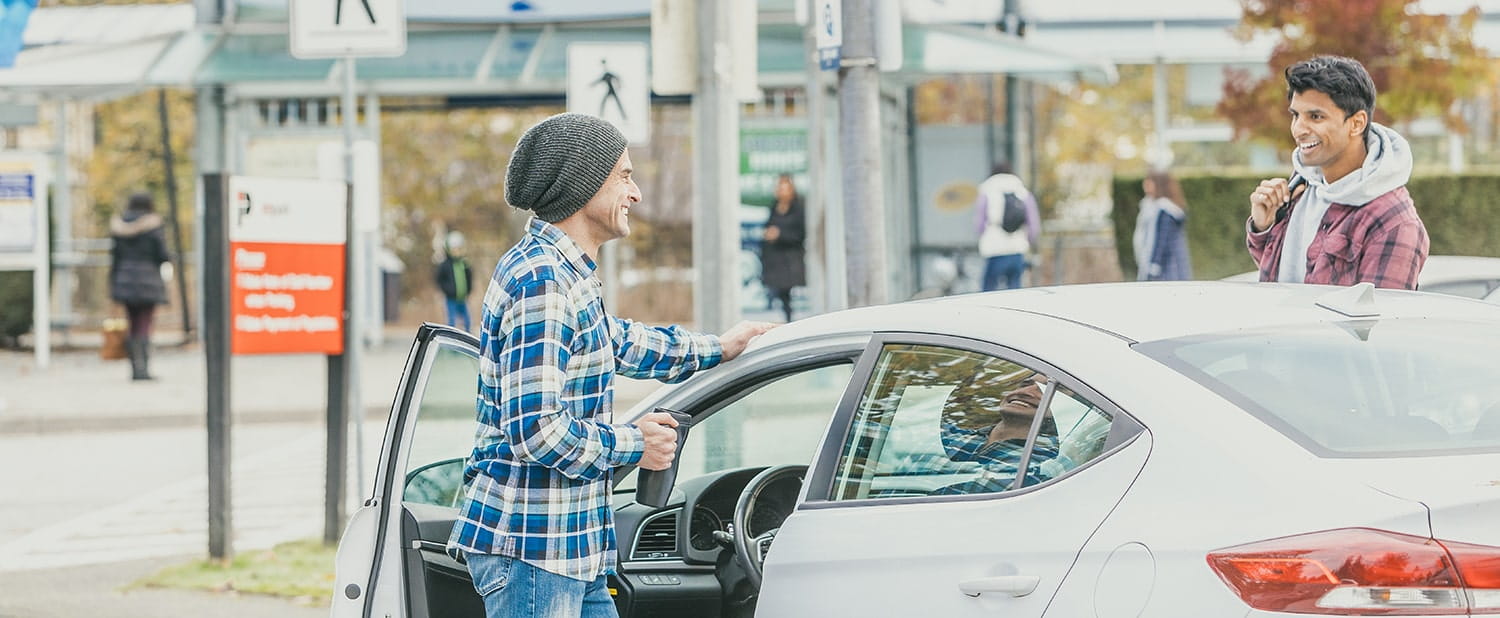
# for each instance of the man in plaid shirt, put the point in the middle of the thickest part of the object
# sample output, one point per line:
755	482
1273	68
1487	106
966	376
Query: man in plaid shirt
536	526
1353	220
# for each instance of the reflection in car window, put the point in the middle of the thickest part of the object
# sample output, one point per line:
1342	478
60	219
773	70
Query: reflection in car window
443	433
780	422
941	421
1386	387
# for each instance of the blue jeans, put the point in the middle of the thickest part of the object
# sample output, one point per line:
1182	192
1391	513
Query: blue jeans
513	589
1009	266
457	309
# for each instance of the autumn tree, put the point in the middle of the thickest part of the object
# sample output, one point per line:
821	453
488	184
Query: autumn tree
1421	63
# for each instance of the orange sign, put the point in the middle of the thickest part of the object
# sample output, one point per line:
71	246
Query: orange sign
286	266
286	298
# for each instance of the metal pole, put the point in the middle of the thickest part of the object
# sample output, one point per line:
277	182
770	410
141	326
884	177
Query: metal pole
716	139
216	342
860	148
343	395
819	258
1012	20
66	278
168	162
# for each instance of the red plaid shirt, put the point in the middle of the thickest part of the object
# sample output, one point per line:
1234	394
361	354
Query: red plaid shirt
1383	242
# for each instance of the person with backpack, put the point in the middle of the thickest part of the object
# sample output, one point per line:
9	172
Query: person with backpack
1008	224
456	279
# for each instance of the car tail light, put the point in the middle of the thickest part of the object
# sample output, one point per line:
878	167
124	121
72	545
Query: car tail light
1479	567
1359	571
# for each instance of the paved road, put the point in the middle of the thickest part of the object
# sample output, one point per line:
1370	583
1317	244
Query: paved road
120	504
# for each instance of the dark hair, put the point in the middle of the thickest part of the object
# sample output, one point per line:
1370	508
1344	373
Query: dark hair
788	179
1002	167
140	202
1344	80
1164	185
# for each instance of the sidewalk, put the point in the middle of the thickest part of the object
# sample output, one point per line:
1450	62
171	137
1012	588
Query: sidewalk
80	392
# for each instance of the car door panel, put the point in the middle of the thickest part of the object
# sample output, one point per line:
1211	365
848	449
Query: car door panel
870	552
911	559
391	542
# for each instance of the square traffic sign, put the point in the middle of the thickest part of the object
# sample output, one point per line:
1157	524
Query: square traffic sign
339	28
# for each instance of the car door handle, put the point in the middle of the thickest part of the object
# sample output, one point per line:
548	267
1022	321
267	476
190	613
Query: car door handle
1013	585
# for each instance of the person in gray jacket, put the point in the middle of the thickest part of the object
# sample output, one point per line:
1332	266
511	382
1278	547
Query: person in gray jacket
136	255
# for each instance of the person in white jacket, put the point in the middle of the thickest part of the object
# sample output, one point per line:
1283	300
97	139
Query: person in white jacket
1004	252
1160	241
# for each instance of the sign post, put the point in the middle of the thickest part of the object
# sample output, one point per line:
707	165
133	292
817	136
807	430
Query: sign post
24	239
286	265
373	29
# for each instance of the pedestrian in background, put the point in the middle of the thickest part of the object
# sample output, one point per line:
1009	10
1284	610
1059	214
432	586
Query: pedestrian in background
782	261
1008	225
536	523
1351	219
456	279
136	254
1160	240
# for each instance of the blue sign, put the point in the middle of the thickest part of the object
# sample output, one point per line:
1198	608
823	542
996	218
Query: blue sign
17	186
13	17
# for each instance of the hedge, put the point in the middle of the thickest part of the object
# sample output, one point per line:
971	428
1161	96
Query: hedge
1456	210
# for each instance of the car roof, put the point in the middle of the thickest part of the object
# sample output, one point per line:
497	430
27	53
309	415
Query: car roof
1141	311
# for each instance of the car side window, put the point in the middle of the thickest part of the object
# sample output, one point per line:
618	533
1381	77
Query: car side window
939	421
443	433
777	422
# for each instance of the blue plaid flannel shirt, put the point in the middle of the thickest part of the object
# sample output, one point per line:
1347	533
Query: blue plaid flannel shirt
1000	461
537	485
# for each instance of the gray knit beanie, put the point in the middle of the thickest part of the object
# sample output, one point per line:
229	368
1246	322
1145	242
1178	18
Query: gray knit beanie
560	164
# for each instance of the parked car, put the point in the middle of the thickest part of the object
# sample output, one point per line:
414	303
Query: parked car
1458	275
1178	449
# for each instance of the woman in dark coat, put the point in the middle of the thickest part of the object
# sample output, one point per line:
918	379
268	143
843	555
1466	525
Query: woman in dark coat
781	259
136	256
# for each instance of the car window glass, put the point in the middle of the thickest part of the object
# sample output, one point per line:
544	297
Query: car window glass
780	422
443	432
1379	388
1082	433
942	421
1470	288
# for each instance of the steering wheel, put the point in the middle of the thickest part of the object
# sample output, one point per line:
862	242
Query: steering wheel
749	551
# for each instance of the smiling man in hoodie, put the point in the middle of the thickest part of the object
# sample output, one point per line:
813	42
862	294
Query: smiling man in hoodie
1352	220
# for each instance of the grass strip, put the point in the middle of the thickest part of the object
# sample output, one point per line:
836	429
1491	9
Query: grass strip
300	571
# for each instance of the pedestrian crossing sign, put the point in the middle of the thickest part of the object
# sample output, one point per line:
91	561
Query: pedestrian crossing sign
610	80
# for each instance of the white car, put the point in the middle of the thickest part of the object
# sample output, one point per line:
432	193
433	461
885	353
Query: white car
1458	275
1204	449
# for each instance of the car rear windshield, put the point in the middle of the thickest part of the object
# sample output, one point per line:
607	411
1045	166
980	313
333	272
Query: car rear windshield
1357	389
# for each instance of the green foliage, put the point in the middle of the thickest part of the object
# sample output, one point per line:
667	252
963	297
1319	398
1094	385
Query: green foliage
1421	63
1456	210
15	306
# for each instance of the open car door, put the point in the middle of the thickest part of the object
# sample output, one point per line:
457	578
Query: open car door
391	560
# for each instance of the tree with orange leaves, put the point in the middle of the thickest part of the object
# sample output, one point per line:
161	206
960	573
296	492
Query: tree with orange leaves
1421	63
